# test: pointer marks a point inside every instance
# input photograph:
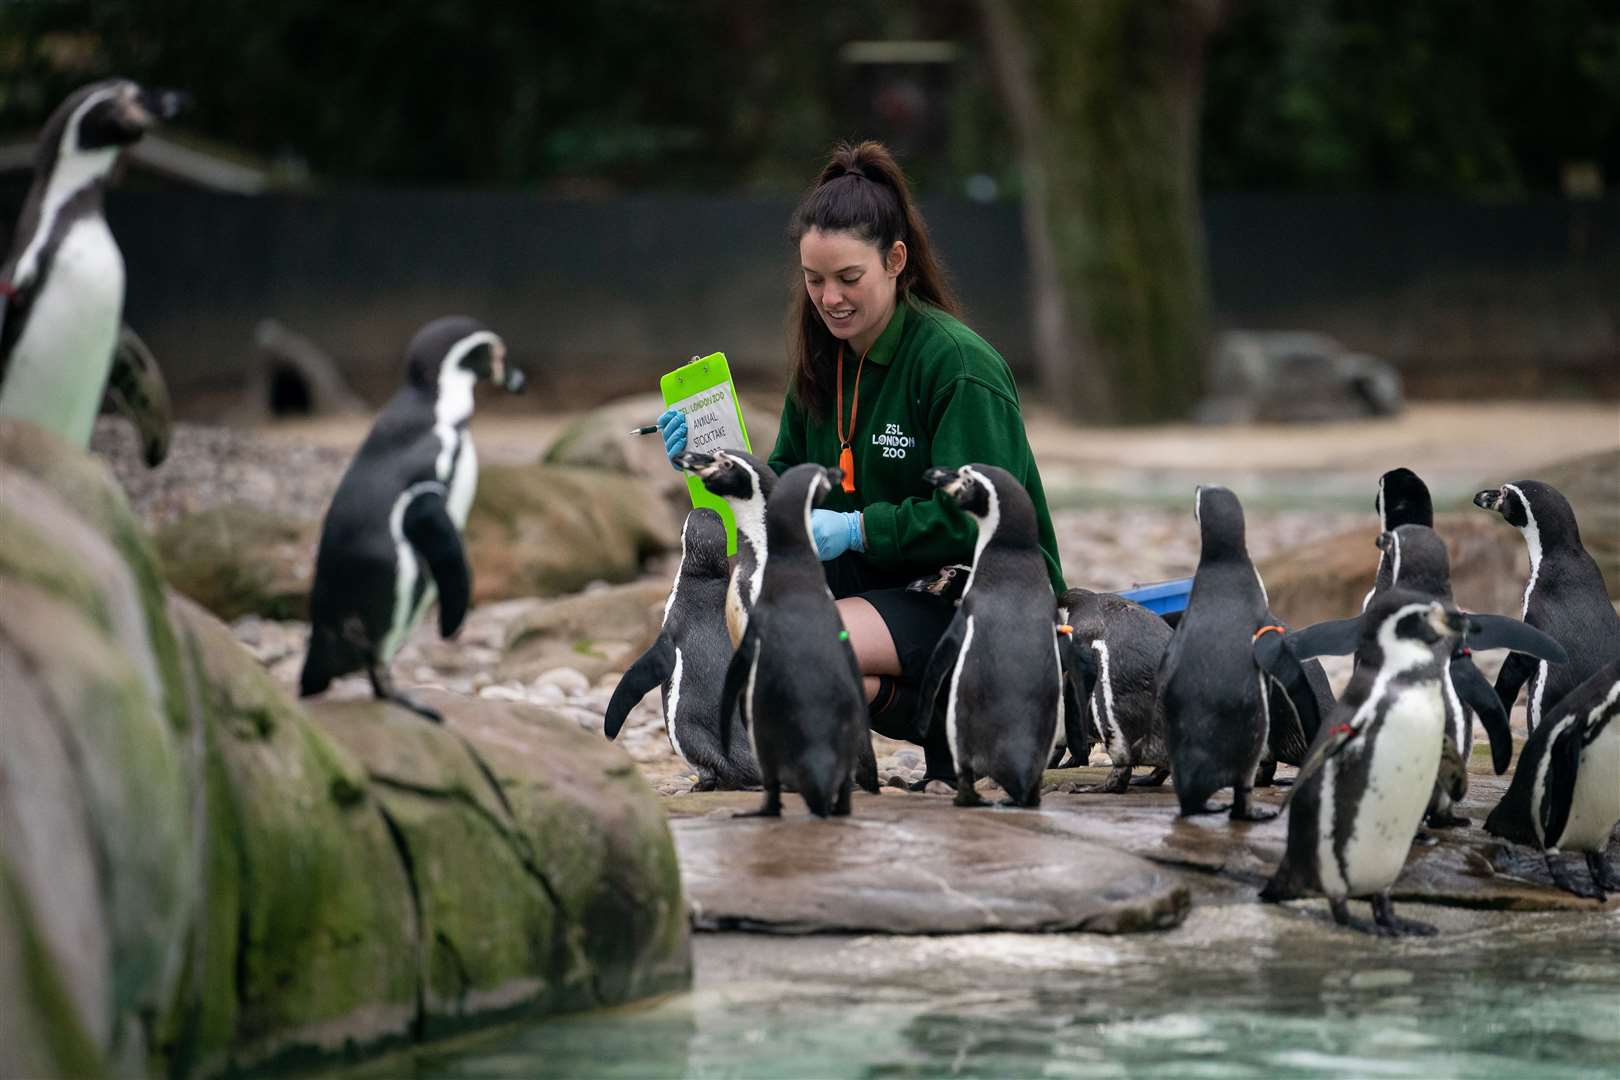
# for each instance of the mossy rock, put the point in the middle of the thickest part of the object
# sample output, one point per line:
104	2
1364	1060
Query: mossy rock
238	560
546	530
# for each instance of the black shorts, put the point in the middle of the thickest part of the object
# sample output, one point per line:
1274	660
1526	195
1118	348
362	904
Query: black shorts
916	620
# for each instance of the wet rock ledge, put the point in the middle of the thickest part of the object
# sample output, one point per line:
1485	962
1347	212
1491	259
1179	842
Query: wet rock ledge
197	877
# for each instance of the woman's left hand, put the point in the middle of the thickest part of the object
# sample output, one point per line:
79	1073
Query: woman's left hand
836	533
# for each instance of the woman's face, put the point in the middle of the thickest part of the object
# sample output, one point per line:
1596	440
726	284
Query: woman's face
850	282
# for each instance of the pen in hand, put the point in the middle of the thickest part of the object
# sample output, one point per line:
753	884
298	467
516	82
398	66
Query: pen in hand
648	430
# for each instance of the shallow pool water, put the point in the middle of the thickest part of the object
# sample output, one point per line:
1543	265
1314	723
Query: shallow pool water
1238	991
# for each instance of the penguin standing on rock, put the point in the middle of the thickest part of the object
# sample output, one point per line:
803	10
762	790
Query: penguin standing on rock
1364	786
1565	598
1223	663
688	660
745	482
997	666
391	541
1565	795
1118	644
62	286
1418	562
794	677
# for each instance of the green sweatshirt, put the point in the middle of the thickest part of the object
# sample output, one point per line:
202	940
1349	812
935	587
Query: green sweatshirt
932	393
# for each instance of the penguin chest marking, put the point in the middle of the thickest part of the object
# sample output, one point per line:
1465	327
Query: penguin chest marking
736	612
1113	735
956	680
59	365
1595	803
673	705
1399	758
463	482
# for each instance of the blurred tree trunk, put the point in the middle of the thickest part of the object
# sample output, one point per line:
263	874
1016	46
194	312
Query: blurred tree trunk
1104	96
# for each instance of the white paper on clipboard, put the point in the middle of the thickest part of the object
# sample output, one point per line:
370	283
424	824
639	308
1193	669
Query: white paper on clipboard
711	420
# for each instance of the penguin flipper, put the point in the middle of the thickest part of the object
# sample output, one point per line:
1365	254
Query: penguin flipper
1474	692
940	664
1329	741
1336	637
1500	632
1563	762
1079	679
136	389
1516	671
428	527
651	669
737	673
1275	655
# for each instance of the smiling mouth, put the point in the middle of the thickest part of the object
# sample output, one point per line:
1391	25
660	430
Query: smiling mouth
840	314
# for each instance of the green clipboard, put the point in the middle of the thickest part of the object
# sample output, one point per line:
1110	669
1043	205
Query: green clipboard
703	391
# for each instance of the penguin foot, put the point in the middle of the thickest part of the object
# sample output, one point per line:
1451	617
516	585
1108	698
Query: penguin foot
1243	809
382	687
1423	839
1341	915
922	785
841	804
1204	808
771	807
426	711
1391	925
1031	803
706	783
968	798
1156	778
1563	880
1282	781
1603	875
1448	820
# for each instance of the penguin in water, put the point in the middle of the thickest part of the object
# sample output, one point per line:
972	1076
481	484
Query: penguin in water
392	536
1565	795
1364	786
1417	561
1118	645
794	677
745	482
688	660
62	285
1565	598
1218	674
1402	499
997	665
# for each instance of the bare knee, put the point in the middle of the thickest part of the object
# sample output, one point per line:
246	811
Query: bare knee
869	637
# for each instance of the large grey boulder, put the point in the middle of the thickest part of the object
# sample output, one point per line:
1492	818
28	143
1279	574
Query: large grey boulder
198	877
1275	375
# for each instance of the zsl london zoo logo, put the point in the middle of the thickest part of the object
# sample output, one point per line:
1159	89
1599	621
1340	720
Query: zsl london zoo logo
894	442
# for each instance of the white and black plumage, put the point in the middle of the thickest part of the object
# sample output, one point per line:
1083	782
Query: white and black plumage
996	674
1417	561
794	677
1219	672
1565	598
1565	795
688	663
391	541
62	285
1365	784
745	482
1115	648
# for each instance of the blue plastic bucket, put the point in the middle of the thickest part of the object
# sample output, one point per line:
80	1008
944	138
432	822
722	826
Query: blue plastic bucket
1161	597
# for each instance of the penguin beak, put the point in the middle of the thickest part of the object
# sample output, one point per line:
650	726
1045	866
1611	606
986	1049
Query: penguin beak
1489	499
835	476
692	461
165	104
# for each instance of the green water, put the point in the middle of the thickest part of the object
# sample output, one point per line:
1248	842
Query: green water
1238	992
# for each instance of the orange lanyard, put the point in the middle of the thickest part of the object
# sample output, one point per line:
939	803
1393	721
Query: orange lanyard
846	456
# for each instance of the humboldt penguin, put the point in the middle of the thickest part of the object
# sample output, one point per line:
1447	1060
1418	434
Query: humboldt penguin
745	482
1223	662
62	285
1565	795
1367	779
688	661
391	540
1417	561
794	678
996	673
1565	598
1120	644
1402	499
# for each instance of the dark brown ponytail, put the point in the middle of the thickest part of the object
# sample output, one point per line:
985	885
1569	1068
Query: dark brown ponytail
861	190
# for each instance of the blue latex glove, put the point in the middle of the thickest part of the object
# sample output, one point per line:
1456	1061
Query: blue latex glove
672	426
836	533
